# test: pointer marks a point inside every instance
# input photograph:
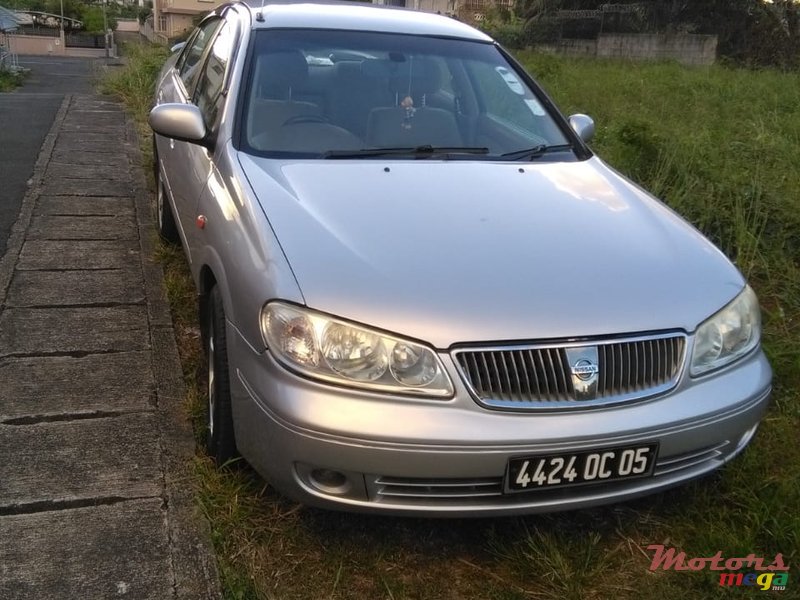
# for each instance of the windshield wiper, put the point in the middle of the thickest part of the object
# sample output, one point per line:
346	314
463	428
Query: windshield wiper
426	151
535	152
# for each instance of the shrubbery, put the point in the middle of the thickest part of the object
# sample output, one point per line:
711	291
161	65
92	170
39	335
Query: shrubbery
9	80
136	82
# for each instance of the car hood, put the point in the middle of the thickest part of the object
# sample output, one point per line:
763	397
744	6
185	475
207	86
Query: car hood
452	252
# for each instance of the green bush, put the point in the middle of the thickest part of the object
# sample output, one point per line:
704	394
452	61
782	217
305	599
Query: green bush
9	80
639	147
92	17
508	29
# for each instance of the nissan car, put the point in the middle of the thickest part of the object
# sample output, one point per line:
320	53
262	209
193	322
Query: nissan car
420	291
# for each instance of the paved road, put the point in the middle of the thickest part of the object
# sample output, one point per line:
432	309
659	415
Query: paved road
26	115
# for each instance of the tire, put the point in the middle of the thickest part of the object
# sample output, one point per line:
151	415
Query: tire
165	220
220	440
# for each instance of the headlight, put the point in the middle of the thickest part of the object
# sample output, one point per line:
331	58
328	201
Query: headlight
732	332
326	348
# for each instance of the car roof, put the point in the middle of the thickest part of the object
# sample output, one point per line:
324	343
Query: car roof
356	16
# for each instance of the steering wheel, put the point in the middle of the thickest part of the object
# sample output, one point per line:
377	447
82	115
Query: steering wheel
298	119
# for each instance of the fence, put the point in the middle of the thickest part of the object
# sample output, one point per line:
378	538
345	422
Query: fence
8	57
39	30
85	40
73	39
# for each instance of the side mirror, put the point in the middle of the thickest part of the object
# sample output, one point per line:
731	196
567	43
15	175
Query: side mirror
583	125
182	122
177	47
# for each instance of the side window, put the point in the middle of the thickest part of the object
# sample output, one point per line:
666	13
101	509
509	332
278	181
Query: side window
185	50
190	68
207	95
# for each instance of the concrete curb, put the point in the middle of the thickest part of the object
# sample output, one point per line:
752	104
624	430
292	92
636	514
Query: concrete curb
17	237
193	562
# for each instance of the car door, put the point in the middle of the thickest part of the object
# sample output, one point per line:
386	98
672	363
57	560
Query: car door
209	98
186	165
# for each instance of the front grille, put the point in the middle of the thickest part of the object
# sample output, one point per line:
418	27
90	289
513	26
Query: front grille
537	376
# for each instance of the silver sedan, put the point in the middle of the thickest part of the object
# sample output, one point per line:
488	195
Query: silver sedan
420	290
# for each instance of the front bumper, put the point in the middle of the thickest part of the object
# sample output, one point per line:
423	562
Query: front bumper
448	458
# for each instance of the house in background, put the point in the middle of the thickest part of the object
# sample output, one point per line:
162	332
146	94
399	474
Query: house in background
471	11
173	17
444	7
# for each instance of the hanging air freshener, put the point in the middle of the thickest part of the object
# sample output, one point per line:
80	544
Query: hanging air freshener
408	105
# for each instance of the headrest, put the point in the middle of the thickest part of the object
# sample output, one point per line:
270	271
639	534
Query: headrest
416	76
280	71
348	71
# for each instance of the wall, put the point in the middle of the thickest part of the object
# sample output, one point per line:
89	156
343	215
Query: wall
570	48
442	7
91	52
689	49
36	45
125	25
191	7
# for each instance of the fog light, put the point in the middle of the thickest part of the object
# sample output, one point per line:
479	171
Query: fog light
329	481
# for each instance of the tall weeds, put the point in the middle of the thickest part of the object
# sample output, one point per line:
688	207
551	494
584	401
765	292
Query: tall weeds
134	84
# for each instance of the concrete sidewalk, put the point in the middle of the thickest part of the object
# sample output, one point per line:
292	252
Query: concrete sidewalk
94	483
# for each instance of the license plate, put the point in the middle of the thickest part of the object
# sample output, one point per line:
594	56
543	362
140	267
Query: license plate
529	473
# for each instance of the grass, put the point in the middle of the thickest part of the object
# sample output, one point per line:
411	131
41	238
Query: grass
720	147
10	80
135	84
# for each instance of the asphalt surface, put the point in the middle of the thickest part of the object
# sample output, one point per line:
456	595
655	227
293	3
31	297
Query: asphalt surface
26	115
58	75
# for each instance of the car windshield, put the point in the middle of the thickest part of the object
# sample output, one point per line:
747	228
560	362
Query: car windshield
342	94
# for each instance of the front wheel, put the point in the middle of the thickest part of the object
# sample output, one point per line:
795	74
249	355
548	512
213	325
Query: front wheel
220	441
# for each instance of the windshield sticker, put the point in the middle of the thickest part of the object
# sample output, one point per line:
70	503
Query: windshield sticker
511	80
319	61
535	107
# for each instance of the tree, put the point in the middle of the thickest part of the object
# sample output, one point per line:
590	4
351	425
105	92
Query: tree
749	31
92	18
